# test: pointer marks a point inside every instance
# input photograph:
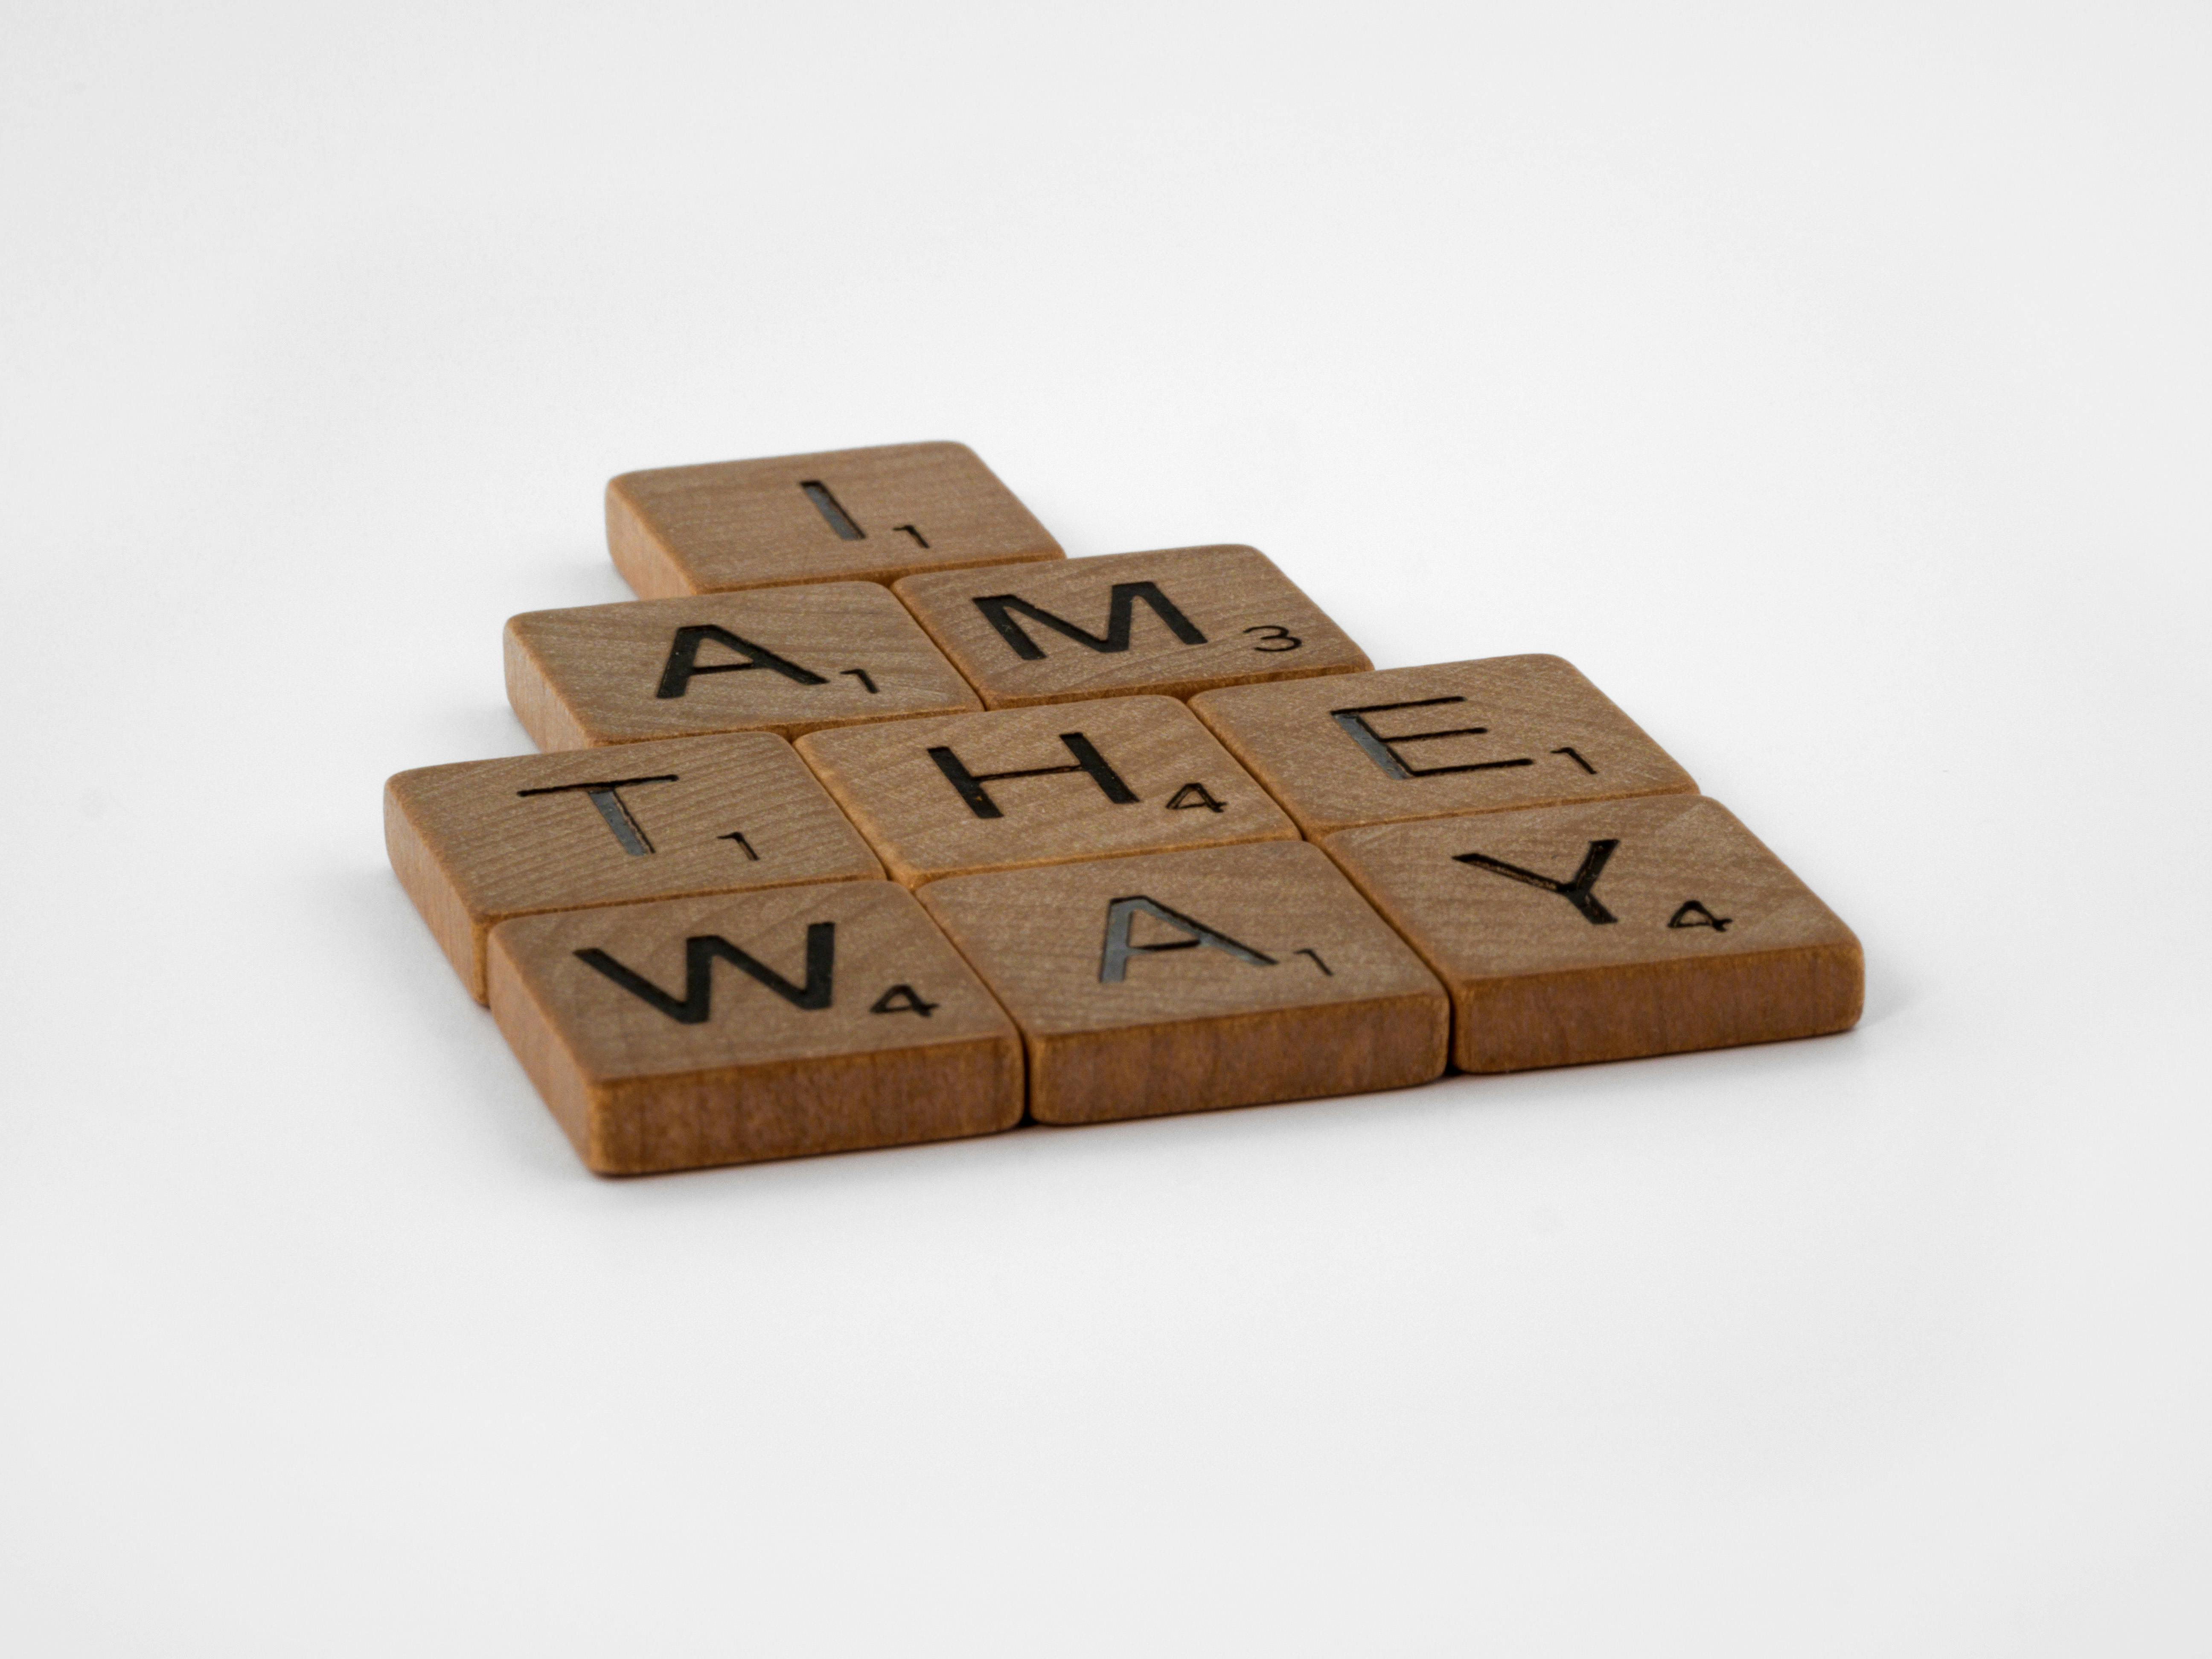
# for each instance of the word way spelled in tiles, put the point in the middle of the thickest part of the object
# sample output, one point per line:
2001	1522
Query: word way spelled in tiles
1183	621
1421	743
1160	838
1051	785
1183	981
481	841
871	514
728	1028
1607	930
782	660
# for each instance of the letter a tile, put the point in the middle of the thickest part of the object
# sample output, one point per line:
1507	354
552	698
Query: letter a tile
1175	623
757	1025
1429	742
1608	930
1053	785
1182	982
480	842
874	514
785	659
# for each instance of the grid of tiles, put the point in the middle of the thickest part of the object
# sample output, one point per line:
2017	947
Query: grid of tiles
876	819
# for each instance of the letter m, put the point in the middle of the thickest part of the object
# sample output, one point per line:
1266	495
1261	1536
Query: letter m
999	611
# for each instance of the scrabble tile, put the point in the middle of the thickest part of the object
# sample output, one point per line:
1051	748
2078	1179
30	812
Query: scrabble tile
1608	929
1432	742
481	841
1177	621
874	514
1182	982
1019	787
782	660
729	1028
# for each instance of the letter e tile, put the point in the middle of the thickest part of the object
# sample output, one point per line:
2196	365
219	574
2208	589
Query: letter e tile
1438	740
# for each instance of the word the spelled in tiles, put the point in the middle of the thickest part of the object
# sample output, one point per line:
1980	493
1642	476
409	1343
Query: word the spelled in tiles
481	841
1177	621
1183	981
874	514
1607	930
1421	743
1051	785
782	660
770	1024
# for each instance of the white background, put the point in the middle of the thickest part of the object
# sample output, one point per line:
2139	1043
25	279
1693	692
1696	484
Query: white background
1831	388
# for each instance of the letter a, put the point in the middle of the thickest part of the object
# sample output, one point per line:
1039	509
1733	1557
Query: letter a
1114	957
683	660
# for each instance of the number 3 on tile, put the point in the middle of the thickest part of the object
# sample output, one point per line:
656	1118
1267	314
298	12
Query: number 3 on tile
1274	637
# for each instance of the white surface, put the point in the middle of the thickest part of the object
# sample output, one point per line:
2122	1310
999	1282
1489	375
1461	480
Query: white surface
1834	393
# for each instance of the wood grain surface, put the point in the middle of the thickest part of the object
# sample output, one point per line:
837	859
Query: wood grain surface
1119	774
782	660
1175	621
658	1048
1619	928
1182	981
875	514
1335	752
480	842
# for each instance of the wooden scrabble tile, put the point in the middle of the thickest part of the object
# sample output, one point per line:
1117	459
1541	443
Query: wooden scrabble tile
1054	785
481	841
730	1029
875	514
782	660
1609	929
1177	621
1429	742
1180	981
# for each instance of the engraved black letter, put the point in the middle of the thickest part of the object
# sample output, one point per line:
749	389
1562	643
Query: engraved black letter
1087	759
628	831
699	954
1575	890
1119	613
1383	750
1114	957
683	660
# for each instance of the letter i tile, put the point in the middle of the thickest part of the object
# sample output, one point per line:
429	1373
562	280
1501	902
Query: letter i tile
730	1029
1052	785
781	660
1183	981
1607	930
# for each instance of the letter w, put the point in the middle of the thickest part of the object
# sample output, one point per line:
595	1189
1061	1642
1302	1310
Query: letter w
699	955
998	610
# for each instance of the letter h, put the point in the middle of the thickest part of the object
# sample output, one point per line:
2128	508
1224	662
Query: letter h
1087	760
